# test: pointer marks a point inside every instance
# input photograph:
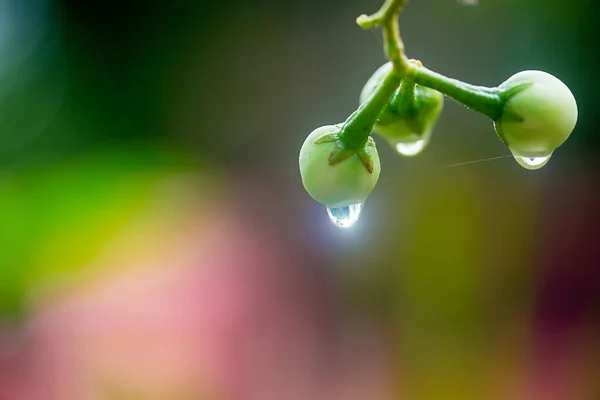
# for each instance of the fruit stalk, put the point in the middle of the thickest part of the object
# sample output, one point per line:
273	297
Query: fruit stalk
357	128
482	99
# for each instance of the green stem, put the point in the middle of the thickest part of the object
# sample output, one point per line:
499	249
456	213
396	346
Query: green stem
357	128
387	17
405	97
388	9
482	99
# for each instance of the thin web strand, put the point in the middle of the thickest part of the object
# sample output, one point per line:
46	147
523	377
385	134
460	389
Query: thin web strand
455	165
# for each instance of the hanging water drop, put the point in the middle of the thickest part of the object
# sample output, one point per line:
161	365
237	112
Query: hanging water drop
411	148
532	163
468	2
344	217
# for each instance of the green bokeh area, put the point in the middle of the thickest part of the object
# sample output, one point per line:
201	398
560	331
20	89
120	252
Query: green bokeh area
81	142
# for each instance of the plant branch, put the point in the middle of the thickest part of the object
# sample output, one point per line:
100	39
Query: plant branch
486	100
387	18
357	128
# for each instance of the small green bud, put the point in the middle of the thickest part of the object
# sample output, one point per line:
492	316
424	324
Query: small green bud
410	116
334	180
538	115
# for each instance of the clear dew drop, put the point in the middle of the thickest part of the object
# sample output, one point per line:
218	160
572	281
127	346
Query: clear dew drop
411	148
468	2
532	163
344	217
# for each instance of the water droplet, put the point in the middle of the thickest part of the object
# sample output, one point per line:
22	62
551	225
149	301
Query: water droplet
532	163
411	148
344	217
468	2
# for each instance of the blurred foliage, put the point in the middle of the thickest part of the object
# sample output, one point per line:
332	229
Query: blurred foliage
56	221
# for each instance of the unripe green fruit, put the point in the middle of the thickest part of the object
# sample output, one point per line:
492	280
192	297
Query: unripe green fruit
406	123
538	117
345	183
374	81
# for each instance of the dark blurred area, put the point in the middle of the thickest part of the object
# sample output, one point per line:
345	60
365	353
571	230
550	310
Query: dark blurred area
156	241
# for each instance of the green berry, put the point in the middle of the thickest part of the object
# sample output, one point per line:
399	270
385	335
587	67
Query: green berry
538	115
410	116
345	183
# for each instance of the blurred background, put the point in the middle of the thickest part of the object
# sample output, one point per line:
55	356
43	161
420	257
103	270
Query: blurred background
156	242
